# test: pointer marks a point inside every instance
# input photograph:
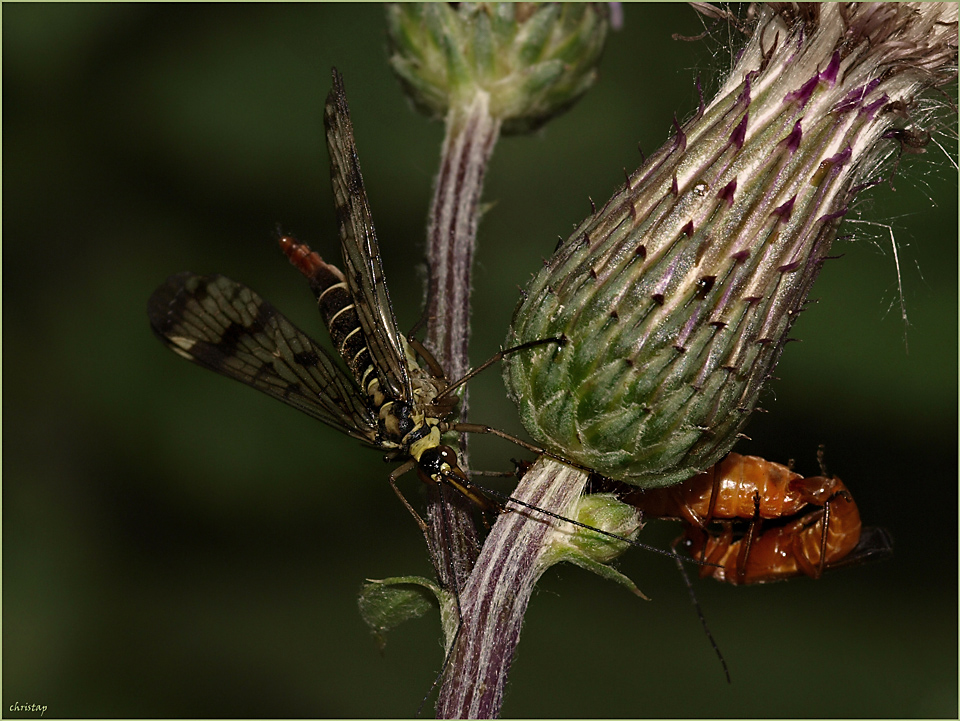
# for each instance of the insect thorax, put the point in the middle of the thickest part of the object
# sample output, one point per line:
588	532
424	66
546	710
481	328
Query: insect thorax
417	425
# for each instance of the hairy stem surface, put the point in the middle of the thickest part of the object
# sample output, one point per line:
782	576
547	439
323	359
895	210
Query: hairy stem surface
496	596
470	137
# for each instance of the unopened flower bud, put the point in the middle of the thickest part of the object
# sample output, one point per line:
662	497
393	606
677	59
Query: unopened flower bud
676	297
533	59
587	548
603	511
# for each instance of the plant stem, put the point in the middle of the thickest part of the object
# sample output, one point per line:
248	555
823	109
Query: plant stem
496	597
493	595
470	136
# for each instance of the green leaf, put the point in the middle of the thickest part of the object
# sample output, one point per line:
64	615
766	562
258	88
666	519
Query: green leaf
387	603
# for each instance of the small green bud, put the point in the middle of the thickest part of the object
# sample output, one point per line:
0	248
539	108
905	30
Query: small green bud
533	59
591	550
603	511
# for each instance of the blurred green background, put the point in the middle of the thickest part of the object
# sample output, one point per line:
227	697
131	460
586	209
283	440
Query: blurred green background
177	545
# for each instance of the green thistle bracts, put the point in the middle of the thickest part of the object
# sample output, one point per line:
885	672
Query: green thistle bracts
677	296
534	59
669	336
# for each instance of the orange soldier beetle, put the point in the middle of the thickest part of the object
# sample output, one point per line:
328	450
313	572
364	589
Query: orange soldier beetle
797	526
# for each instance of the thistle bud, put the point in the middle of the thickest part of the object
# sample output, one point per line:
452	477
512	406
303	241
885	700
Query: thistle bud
588	549
676	297
603	511
533	59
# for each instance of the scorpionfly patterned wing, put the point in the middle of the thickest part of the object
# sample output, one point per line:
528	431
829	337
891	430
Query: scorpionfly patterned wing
222	325
361	253
390	402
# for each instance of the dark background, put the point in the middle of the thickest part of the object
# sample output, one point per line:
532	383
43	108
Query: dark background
176	545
